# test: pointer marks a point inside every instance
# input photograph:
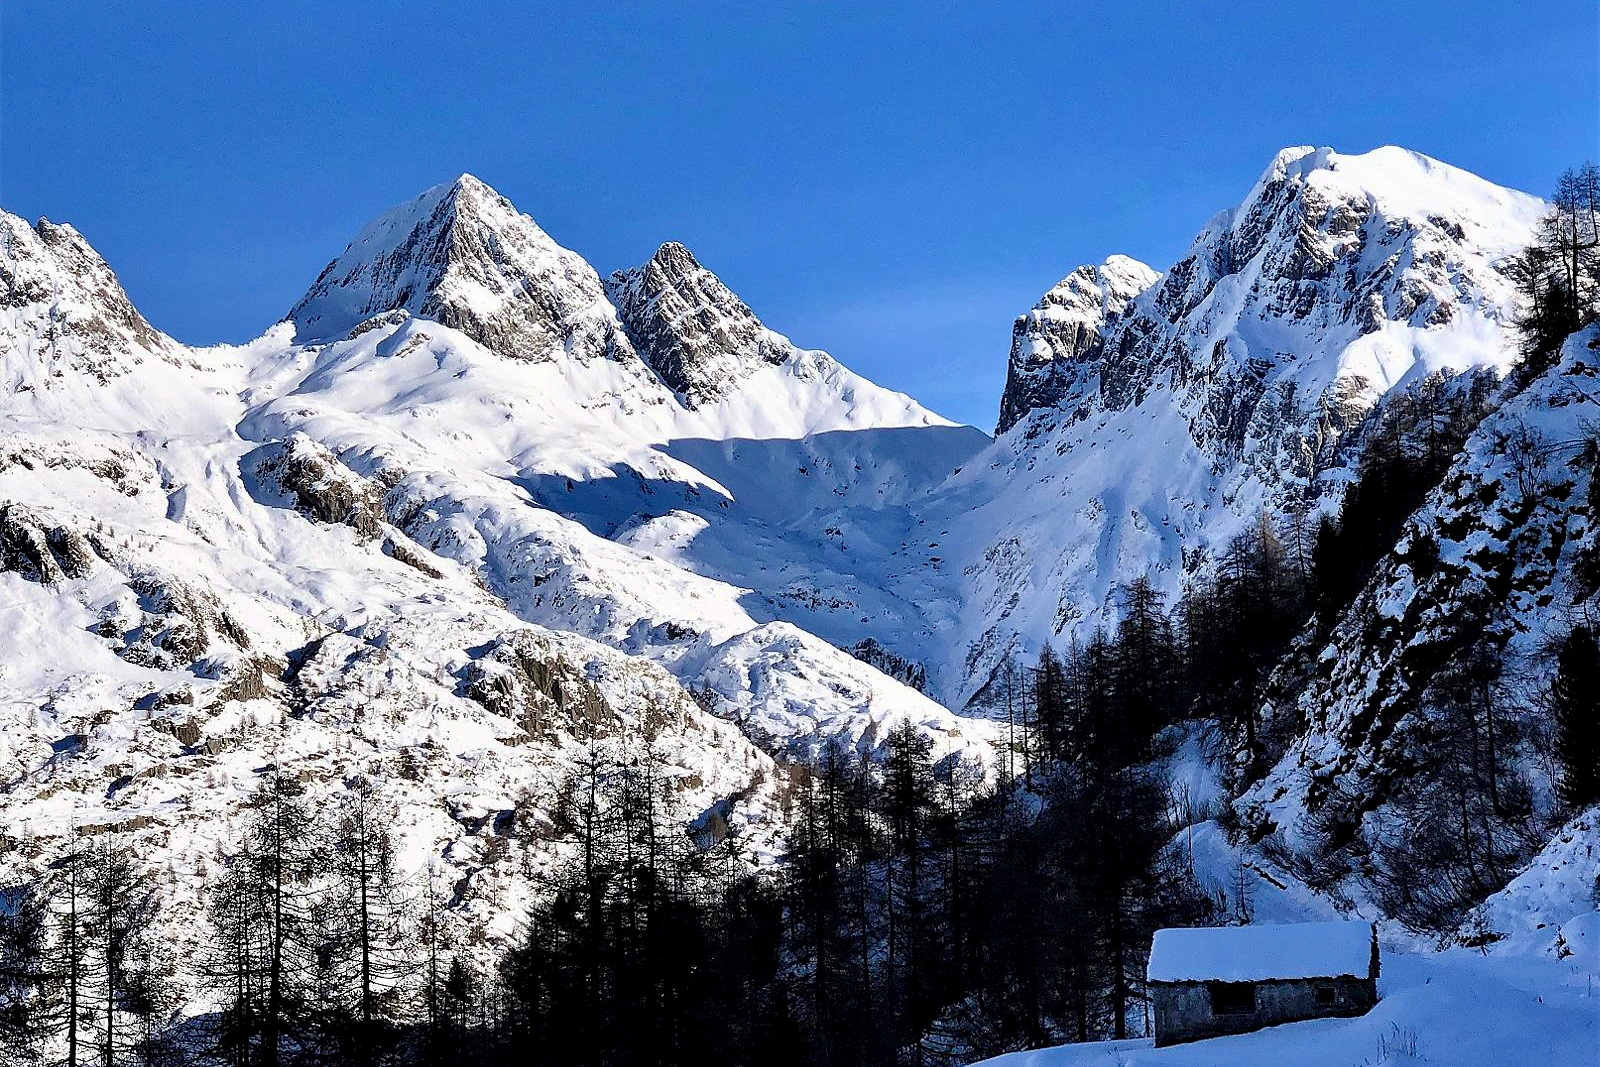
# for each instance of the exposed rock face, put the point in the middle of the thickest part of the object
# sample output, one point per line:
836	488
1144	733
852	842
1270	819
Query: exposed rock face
461	255
1055	348
693	331
1336	257
40	550
174	622
897	667
322	487
1341	258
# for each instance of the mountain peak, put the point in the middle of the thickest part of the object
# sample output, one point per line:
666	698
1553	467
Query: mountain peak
1297	161
466	193
462	255
1399	183
1328	284
1055	346
696	334
672	254
468	180
65	310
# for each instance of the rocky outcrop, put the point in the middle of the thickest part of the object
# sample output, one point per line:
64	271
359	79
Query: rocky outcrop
523	679
901	669
126	470
173	623
322	487
1056	347
39	549
699	337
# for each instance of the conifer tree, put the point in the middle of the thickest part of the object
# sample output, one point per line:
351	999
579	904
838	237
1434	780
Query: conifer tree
1575	701
268	947
1558	274
1144	682
116	917
367	918
72	948
27	986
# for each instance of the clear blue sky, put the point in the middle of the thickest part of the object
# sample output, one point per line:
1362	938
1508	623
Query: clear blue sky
892	182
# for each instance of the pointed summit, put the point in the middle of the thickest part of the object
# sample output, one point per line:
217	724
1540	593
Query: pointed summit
63	313
1056	346
699	337
462	255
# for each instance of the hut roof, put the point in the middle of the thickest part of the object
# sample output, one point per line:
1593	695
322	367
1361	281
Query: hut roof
1262	953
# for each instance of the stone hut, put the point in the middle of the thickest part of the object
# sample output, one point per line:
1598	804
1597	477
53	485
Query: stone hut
1227	980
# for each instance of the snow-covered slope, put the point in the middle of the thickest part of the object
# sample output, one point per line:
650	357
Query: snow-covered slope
1503	555
189	609
1223	389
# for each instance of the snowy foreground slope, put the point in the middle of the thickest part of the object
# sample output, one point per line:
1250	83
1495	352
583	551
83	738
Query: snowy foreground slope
1531	998
1458	1008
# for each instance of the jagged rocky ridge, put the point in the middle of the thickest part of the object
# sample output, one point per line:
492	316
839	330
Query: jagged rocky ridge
1059	344
696	335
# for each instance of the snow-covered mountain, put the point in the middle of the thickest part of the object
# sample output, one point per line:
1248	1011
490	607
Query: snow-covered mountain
570	478
694	333
338	548
1146	430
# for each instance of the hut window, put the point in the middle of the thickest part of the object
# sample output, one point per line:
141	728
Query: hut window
1326	995
1233	998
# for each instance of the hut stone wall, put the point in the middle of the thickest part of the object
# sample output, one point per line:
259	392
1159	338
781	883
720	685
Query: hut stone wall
1183	1010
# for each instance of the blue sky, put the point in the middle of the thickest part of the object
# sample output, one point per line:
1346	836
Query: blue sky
892	182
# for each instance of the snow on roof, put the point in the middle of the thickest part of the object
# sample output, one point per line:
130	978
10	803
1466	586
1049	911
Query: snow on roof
1262	953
